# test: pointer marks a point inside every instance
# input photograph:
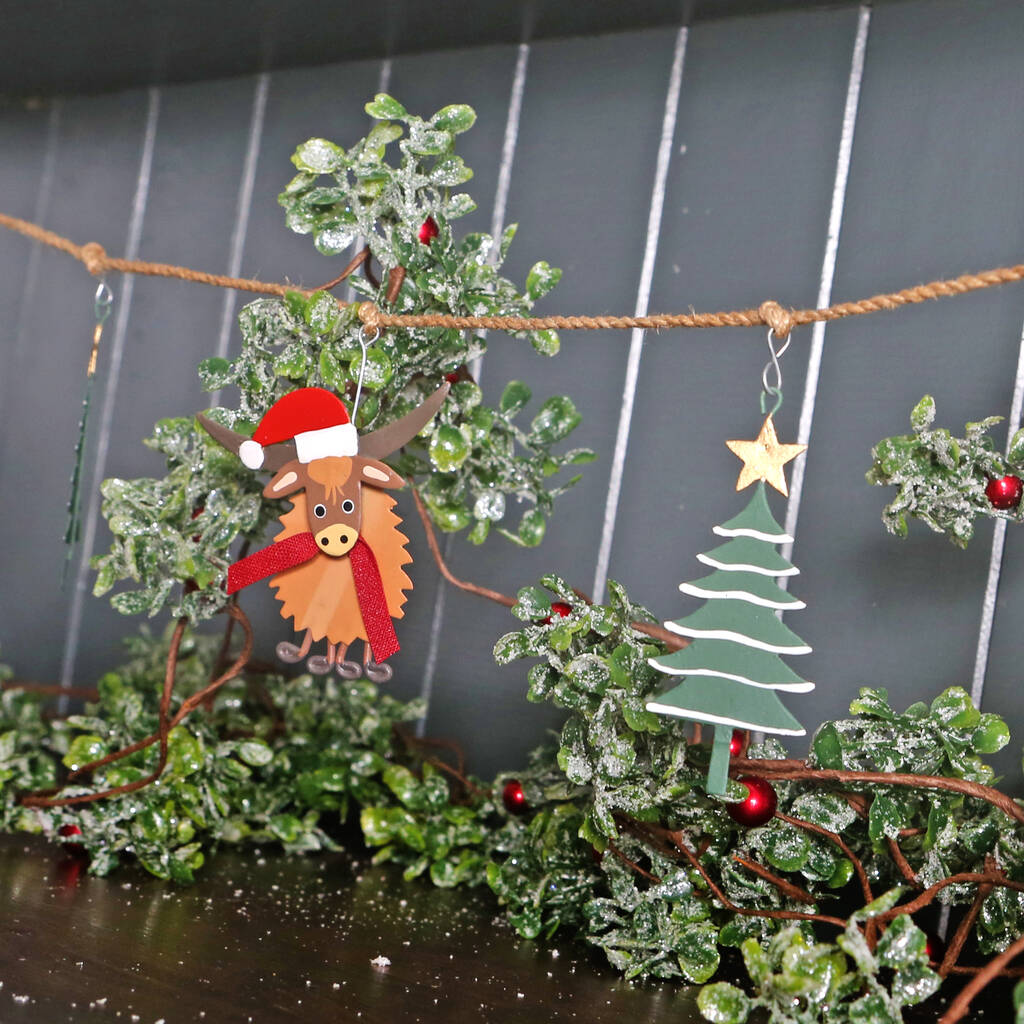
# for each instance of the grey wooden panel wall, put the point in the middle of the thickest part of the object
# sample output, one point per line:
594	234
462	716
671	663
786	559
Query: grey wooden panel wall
785	128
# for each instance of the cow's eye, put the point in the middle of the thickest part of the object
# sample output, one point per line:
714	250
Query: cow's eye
348	505
319	511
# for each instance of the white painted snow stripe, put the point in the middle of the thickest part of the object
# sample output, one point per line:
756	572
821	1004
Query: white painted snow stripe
772	538
668	127
123	305
22	333
743	567
828	269
739	595
995	561
740	638
802	687
434	643
508	155
739	723
243	205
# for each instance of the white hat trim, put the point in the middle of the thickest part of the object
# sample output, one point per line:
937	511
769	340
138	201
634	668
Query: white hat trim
340	439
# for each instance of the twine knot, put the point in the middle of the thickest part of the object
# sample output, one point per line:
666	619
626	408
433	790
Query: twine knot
370	316
778	319
94	256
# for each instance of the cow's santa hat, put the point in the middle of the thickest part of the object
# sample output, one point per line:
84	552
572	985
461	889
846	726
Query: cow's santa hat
314	418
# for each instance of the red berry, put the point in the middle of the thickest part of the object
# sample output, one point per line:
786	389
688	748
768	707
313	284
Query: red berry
68	830
428	231
736	743
452	378
559	608
759	807
935	948
1005	493
513	797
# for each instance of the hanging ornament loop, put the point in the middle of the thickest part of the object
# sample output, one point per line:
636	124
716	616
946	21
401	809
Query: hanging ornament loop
364	344
771	375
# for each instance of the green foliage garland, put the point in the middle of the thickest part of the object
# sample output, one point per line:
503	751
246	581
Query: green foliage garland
942	478
619	843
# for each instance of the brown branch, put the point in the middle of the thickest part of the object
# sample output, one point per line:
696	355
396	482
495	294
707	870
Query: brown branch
798	770
669	639
908	873
51	689
353	264
46	798
396	275
959	1007
780	915
794	892
963	930
370	275
834	837
472	588
632	864
929	894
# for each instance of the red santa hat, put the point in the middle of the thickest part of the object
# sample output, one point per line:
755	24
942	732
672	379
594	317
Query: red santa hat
314	418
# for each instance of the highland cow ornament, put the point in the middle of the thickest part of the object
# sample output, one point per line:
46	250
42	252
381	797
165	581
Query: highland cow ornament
337	564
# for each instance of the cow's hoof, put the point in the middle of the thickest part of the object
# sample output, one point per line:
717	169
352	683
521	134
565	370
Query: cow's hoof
378	673
318	665
349	669
289	652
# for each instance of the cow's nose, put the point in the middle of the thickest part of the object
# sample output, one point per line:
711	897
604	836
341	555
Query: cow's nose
337	540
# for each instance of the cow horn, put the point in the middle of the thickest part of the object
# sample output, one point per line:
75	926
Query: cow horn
275	456
383	442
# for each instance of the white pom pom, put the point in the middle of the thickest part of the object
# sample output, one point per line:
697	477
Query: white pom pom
251	453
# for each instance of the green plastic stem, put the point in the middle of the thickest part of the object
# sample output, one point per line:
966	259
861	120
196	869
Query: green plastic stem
718	770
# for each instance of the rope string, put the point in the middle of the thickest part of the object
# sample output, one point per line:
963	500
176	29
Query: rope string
768	314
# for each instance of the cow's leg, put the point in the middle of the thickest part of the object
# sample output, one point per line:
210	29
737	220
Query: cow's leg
290	653
320	664
347	669
374	672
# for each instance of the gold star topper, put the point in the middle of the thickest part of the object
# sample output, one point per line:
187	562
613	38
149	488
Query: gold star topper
763	458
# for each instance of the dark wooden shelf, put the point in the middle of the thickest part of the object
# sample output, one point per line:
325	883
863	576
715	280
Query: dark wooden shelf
262	937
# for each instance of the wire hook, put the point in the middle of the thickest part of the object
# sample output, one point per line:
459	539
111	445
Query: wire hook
774	390
364	344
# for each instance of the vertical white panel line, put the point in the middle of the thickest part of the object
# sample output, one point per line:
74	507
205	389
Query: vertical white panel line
39	212
828	269
508	156
123	305
243	206
383	82
434	644
995	562
668	128
508	152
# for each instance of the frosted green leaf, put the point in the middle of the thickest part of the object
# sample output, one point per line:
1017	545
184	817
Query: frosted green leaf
322	313
557	419
450	172
490	505
378	370
514	397
334	239
384	107
722	1003
318	156
547	343
992	734
459	205
455	118
448	448
215	373
923	413
255	753
541	279
955	709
